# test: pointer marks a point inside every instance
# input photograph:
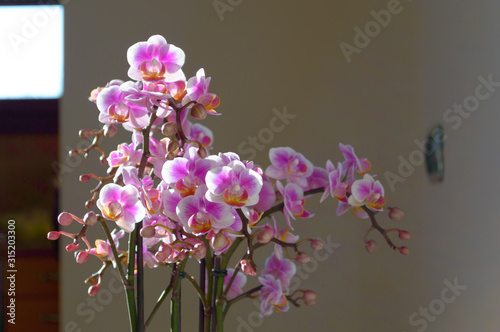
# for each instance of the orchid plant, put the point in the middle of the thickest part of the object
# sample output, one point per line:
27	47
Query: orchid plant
174	200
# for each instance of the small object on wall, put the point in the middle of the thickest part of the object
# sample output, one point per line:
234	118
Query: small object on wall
434	154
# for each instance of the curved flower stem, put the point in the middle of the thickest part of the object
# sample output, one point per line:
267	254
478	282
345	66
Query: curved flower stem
158	303
376	226
197	287
240	297
115	252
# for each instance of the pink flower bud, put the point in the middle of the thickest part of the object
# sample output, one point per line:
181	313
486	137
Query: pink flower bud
90	218
65	218
220	242
71	247
303	258
404	235
247	268
371	246
199	111
53	235
264	235
81	256
404	251
73	153
84	133
93	290
84	178
309	297
316	244
396	213
199	251
148	231
110	130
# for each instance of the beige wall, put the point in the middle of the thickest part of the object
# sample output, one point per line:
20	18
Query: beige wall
275	54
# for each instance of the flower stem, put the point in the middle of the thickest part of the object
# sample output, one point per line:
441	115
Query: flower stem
130	280
159	303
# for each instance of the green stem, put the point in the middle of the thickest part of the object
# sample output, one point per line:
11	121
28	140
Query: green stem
175	301
113	249
197	287
158	303
240	297
130	280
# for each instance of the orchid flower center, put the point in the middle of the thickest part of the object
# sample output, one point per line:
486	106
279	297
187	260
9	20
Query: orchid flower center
200	223
113	210
235	195
153	70
295	166
120	112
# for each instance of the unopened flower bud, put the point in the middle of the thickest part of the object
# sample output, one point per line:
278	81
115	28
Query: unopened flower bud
170	156
199	111
303	258
247	268
93	280
81	256
220	241
110	130
199	251
148	231
404	235
53	235
317	244
90	218
84	133
103	160
71	247
404	251
93	290
371	246
89	204
396	213
173	146
202	153
265	234
84	178
73	153
65	218
309	297
169	129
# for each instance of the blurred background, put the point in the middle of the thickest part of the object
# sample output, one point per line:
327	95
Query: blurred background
377	75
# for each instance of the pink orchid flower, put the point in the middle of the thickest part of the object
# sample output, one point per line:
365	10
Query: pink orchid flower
155	60
115	108
199	216
367	192
237	286
290	165
276	278
122	205
197	90
186	173
293	198
352	162
234	185
335	187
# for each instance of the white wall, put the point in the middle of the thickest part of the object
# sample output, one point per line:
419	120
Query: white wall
267	55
